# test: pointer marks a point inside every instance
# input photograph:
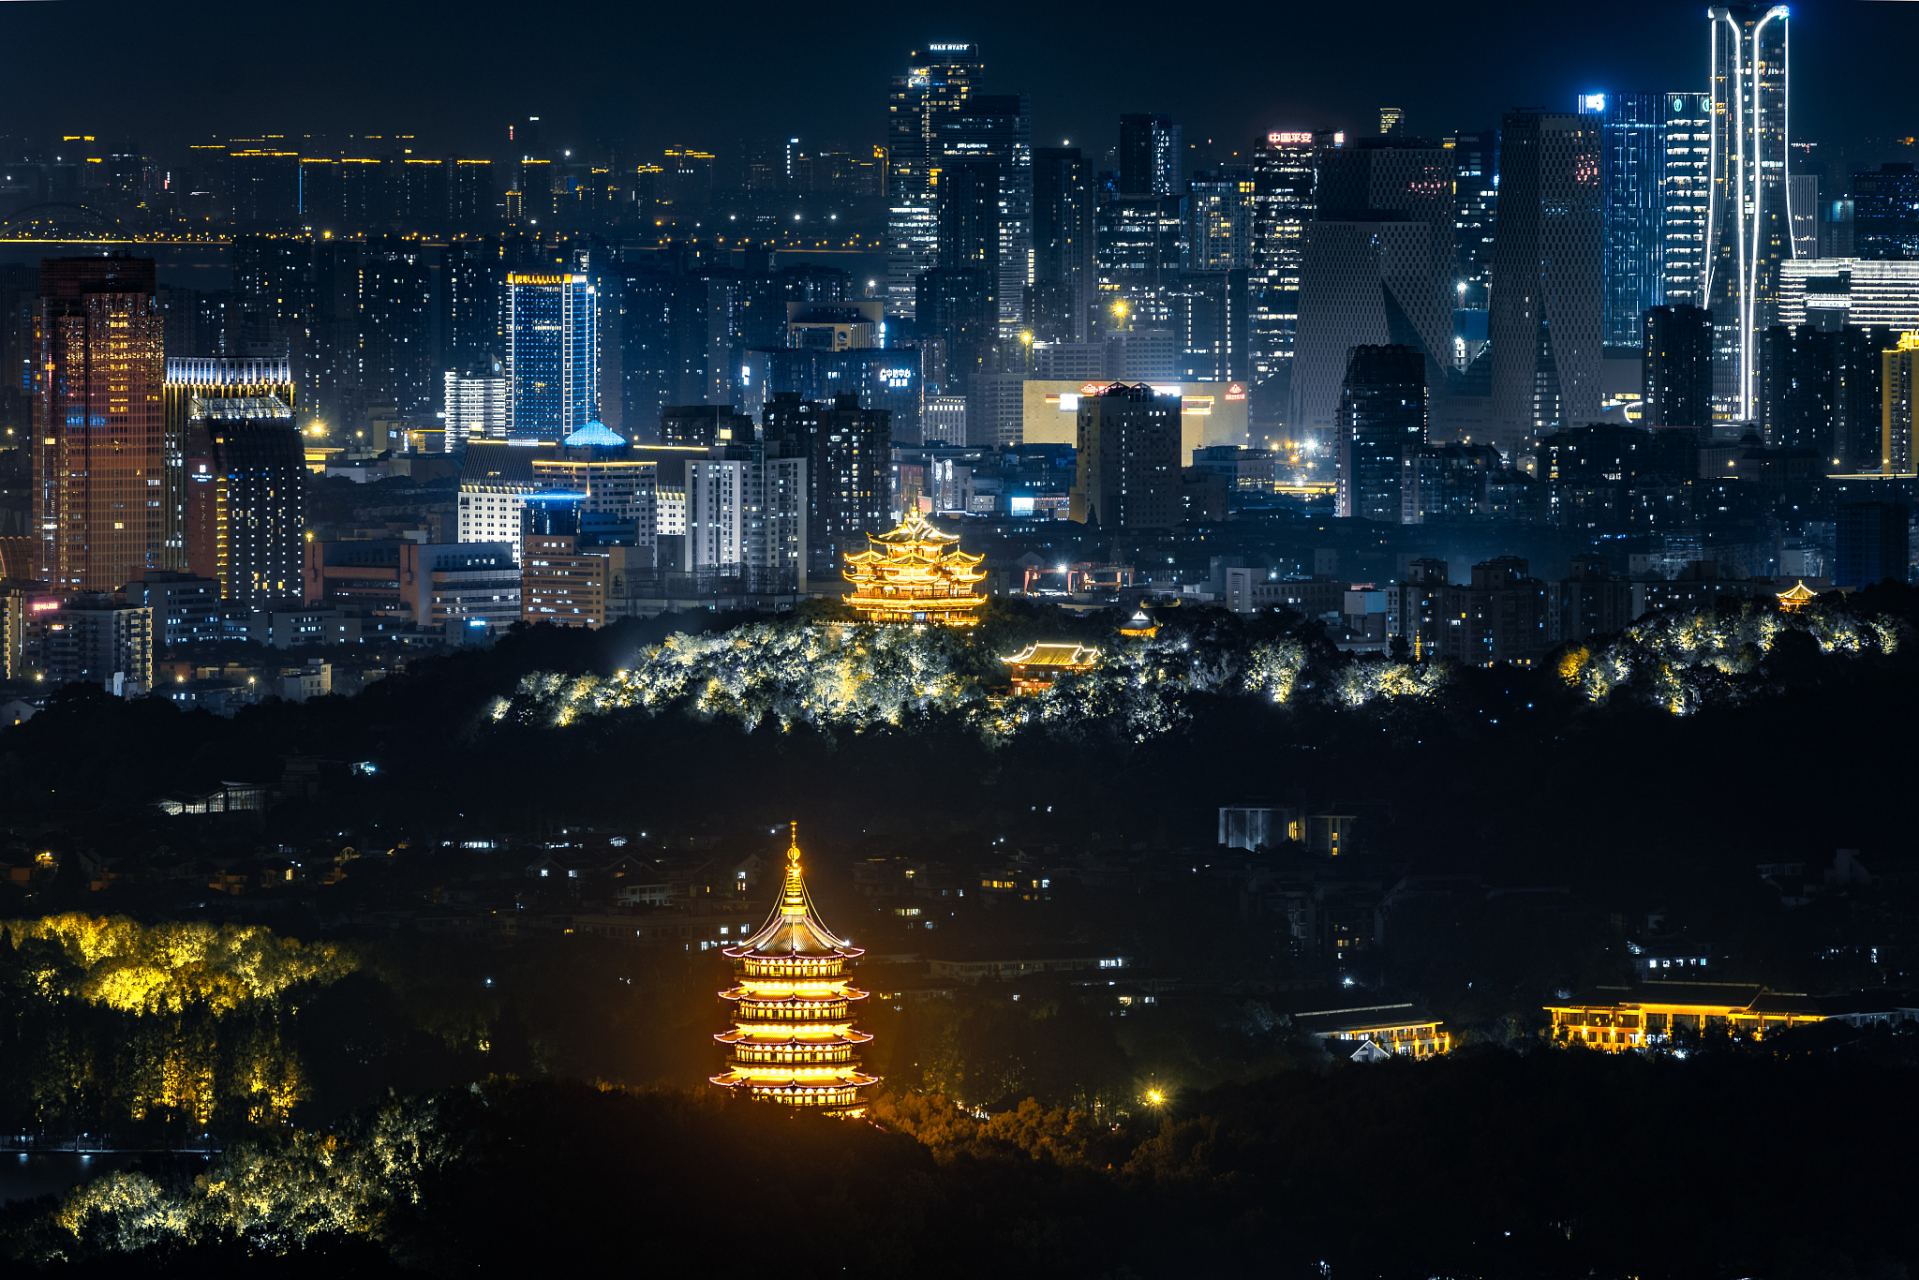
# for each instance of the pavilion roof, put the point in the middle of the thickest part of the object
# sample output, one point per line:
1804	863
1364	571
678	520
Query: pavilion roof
794	928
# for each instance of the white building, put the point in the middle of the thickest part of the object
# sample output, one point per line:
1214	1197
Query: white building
747	517
475	406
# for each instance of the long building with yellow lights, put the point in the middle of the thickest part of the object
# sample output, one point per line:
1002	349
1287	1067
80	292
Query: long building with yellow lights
793	1040
1618	1019
913	573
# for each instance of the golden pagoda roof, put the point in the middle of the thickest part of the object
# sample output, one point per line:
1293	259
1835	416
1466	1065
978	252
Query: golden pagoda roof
793	929
1799	594
1055	655
915	528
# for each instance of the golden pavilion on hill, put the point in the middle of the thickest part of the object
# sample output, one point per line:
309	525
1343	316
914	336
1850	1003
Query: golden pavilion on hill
1796	599
792	1040
1036	667
915	574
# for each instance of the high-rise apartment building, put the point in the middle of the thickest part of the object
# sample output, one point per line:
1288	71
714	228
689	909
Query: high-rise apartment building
1149	156
746	518
1820	390
1139	253
940	82
1283	169
848	453
99	432
1128	458
396	329
552	354
1872	542
1899	406
246	498
1885	213
1748	223
1060	300
1382	422
967	216
475	404
1547	294
1676	349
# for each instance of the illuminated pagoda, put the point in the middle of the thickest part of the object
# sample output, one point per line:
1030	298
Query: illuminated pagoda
1796	599
792	1040
915	574
1035	668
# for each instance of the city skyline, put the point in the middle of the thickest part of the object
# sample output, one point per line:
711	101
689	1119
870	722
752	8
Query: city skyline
1300	70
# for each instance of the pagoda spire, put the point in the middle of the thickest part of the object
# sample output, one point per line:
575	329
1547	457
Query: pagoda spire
793	1037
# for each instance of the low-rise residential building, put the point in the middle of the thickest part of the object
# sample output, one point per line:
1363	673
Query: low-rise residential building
1403	1029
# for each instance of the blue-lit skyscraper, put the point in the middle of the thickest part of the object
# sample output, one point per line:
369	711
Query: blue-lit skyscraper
552	354
1654	167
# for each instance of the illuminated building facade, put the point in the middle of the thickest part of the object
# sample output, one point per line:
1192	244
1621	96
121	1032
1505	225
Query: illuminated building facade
938	85
552	354
1899	406
1748	222
1393	1029
1646	205
475	404
1620	1019
246	498
99	430
1035	668
188	380
1821	389
1149	156
793	1041
913	573
1282	206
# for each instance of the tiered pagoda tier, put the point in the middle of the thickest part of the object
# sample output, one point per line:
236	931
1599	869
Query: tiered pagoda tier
793	1038
915	574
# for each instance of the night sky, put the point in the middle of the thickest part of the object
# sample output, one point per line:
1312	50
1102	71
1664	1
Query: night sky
708	74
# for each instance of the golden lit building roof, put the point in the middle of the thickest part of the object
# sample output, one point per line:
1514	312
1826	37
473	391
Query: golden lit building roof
1077	657
1616	1019
1139	626
793	929
913	573
1796	599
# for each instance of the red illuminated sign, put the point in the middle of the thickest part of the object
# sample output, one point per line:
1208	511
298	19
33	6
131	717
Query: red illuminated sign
1276	139
1235	391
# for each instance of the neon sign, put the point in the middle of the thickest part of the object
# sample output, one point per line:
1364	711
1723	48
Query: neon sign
1280	139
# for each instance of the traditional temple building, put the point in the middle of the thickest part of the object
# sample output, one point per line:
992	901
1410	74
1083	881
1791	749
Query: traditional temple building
915	574
1035	668
793	1038
1140	626
1796	599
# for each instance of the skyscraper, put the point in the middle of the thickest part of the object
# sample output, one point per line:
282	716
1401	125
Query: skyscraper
1687	187
475	404
1282	205
1060	299
396	329
1748	224
1219	220
1885	217
99	438
1547	296
1382	421
189	380
940	81
1899	407
997	129
246	498
552	354
1475	206
1377	267
1632	147
1149	156
1677	354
